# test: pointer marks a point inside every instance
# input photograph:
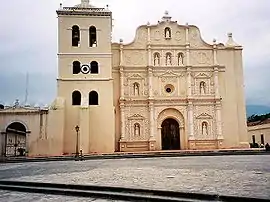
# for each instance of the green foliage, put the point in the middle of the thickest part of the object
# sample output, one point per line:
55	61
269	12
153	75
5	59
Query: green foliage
255	117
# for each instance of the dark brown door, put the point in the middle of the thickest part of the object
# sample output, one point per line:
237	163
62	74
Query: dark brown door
170	135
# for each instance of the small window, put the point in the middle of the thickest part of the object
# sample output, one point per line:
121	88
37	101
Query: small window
93	98
76	98
253	139
94	67
76	67
75	36
262	139
168	33
2	106
92	36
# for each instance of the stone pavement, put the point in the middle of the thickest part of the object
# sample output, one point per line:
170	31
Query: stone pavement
7	196
247	175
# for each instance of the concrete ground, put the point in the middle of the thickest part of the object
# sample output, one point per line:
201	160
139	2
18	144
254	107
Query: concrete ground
240	175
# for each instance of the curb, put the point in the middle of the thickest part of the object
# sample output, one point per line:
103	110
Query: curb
134	155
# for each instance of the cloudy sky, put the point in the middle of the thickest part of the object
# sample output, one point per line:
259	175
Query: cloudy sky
29	39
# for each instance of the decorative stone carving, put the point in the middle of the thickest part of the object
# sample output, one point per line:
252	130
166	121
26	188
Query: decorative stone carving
201	57
180	59
204	129
156	59
134	57
168	59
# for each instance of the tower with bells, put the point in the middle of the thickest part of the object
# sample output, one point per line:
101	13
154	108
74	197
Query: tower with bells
85	77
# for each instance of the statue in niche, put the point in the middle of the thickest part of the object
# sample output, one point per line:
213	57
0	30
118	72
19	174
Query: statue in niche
136	129
136	89
202	88
168	59
167	33
180	59
156	60
204	129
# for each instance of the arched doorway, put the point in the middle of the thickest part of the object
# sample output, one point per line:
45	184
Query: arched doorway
15	139
170	134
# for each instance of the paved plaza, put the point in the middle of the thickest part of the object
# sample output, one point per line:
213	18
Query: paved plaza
247	176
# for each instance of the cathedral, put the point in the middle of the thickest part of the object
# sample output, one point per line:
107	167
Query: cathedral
166	90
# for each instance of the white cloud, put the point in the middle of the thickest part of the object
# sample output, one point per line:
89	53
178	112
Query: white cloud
29	40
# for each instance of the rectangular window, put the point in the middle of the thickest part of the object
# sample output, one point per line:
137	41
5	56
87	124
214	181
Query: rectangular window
253	139
262	139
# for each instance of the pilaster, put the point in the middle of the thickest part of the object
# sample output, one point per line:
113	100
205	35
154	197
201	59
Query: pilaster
190	121
122	119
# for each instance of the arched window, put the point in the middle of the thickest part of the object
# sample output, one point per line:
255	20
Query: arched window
94	67
168	33
136	89
2	106
76	67
202	87
180	58
156	59
93	98
76	98
75	36
92	36
137	129
168	59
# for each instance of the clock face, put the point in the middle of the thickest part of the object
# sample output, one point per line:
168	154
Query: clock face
85	69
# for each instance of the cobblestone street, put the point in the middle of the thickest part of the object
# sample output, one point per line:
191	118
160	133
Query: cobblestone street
247	176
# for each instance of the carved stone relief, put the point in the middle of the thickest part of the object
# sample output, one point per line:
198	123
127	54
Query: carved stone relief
202	84
137	127
204	126
135	85
135	58
177	35
201	58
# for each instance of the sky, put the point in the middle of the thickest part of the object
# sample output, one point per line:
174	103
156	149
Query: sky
29	39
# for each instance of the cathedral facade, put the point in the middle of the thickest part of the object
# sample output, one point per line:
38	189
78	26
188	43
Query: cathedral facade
166	90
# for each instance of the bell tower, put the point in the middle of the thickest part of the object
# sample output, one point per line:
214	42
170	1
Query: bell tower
85	77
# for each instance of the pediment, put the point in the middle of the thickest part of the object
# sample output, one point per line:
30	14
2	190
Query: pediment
169	73
136	117
204	116
202	75
135	76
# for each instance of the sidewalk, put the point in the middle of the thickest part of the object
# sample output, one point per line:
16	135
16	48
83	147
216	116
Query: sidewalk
145	154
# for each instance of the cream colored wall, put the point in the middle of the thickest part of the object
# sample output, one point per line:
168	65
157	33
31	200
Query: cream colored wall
46	130
233	105
94	137
103	25
257	131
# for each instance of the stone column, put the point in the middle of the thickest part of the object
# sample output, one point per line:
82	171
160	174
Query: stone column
121	71
189	91
122	112
190	121
150	82
121	83
219	121
216	83
151	120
